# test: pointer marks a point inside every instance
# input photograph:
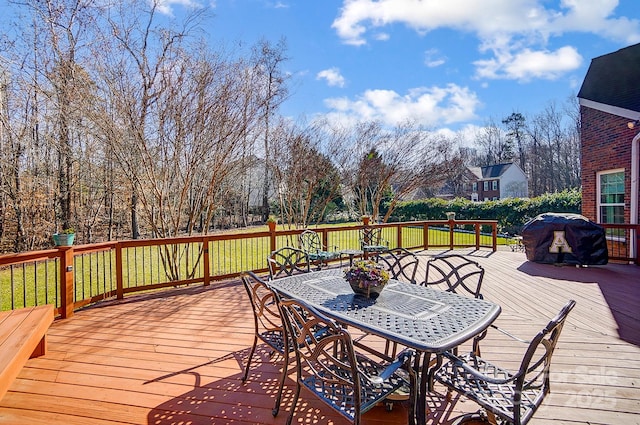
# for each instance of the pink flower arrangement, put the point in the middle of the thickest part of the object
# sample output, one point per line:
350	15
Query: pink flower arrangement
366	273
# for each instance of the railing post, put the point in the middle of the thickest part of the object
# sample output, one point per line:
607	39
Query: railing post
494	235
637	247
272	238
325	238
451	233
425	235
476	227
399	237
66	282
205	258
119	273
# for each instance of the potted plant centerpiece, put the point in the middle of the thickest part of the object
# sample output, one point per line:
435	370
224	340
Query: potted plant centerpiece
366	278
64	238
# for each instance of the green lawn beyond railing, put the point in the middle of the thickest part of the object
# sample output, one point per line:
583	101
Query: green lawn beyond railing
72	277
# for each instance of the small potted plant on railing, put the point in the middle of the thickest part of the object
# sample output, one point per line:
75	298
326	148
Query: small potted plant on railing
271	222
64	238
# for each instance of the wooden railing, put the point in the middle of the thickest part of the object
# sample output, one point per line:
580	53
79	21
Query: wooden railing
73	277
623	242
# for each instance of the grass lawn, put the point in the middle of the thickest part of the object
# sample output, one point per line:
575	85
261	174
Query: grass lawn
37	283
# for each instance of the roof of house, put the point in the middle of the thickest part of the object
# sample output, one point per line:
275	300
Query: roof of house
491	171
614	79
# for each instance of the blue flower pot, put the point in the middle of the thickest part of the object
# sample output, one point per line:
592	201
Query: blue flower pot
63	239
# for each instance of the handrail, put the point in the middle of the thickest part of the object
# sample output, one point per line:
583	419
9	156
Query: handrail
623	242
82	274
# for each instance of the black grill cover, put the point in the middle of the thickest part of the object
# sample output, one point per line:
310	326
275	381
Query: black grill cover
564	238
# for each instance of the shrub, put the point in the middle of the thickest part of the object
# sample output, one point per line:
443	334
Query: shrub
511	213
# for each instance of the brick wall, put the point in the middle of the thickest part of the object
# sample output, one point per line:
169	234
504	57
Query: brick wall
605	143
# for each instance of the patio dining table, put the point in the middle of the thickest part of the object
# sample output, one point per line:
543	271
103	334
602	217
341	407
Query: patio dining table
428	320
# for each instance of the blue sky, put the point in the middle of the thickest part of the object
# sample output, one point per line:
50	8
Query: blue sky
449	64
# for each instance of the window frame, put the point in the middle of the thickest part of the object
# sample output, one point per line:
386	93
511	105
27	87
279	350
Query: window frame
612	234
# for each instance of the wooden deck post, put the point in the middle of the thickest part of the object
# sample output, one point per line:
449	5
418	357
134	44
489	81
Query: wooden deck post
66	281
425	235
451	225
494	235
119	273
205	259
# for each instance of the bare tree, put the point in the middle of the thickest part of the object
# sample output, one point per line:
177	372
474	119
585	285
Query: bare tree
306	179
389	165
272	91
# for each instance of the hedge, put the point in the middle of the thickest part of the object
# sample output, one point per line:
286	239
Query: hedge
511	213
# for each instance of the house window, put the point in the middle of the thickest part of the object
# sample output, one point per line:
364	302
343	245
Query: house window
611	200
494	185
475	186
486	185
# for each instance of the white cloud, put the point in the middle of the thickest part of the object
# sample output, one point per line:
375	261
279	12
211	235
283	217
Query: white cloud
516	32
485	18
166	6
332	76
426	105
528	64
433	58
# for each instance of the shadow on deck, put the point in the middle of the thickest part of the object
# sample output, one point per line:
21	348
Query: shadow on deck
176	357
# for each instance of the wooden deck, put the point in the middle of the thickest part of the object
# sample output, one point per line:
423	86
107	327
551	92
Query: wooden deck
176	357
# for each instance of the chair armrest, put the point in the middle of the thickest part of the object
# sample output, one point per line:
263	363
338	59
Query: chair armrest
510	335
457	361
401	359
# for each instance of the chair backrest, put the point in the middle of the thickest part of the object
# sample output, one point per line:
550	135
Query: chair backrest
288	261
456	274
266	315
534	369
371	236
401	264
326	361
310	242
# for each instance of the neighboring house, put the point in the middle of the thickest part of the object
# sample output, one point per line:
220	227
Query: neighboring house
610	137
459	186
498	181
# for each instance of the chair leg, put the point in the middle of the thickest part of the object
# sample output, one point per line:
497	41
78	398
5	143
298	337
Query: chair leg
294	403
253	349
285	369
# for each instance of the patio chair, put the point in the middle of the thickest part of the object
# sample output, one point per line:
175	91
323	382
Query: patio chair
401	264
511	397
456	274
371	241
268	327
287	261
330	369
311	243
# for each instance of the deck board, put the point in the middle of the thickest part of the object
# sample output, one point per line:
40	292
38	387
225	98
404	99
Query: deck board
177	356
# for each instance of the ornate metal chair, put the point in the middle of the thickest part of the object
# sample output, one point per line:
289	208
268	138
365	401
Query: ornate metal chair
268	326
311	244
506	396
371	241
329	368
401	264
455	273
287	261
